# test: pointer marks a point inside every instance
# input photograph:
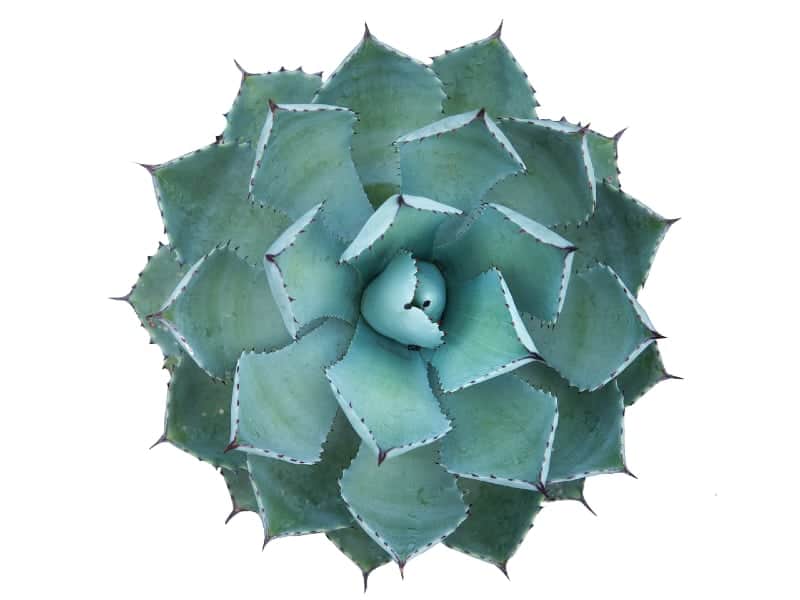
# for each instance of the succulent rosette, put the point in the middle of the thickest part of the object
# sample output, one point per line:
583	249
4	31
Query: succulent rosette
399	308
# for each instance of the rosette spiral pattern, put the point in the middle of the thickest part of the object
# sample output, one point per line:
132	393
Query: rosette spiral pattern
397	307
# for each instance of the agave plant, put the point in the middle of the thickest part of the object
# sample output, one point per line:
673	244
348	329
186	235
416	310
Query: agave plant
399	308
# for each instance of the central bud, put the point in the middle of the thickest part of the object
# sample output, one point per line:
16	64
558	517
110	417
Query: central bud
406	301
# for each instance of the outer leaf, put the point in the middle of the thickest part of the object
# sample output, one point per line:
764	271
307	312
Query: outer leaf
499	518
589	437
502	433
198	415
392	94
534	261
282	404
642	374
484	334
159	277
406	505
601	330
220	308
202	197
243	498
303	261
356	545
402	222
456	160
302	159
383	389
301	499
603	151
485	74
559	185
249	111
387	305
622	233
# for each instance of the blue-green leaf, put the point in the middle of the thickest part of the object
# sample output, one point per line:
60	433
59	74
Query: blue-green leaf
249	111
601	330
356	545
383	389
282	404
303	261
484	334
485	74
406	505
243	498
203	201
502	433
392	94
220	308
642	374
303	159
457	159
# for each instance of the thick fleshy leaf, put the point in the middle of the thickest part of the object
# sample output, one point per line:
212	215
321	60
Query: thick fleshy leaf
642	374
457	159
305	276
603	152
300	499
559	185
383	389
387	305
485	74
484	334
392	94
401	222
622	233
566	490
588	439
406	505
249	111
243	498
601	330
535	262
159	277
499	518
203	201
356	545
198	417
282	404
220	308
302	159
502	433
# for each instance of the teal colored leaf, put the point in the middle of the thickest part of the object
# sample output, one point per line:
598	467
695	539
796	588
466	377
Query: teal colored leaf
484	334
282	404
407	504
431	292
457	159
535	262
203	202
642	374
220	308
502	433
401	222
392	94
249	111
499	518
388	305
566	490
622	233
303	261
601	330
589	436
356	545
383	389
300	499
159	277
243	498
198	417
303	159
559	184
603	152
485	74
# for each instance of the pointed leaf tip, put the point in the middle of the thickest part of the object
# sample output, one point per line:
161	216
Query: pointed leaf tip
160	440
618	135
242	70
367	32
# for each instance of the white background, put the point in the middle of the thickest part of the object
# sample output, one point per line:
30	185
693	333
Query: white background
710	95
